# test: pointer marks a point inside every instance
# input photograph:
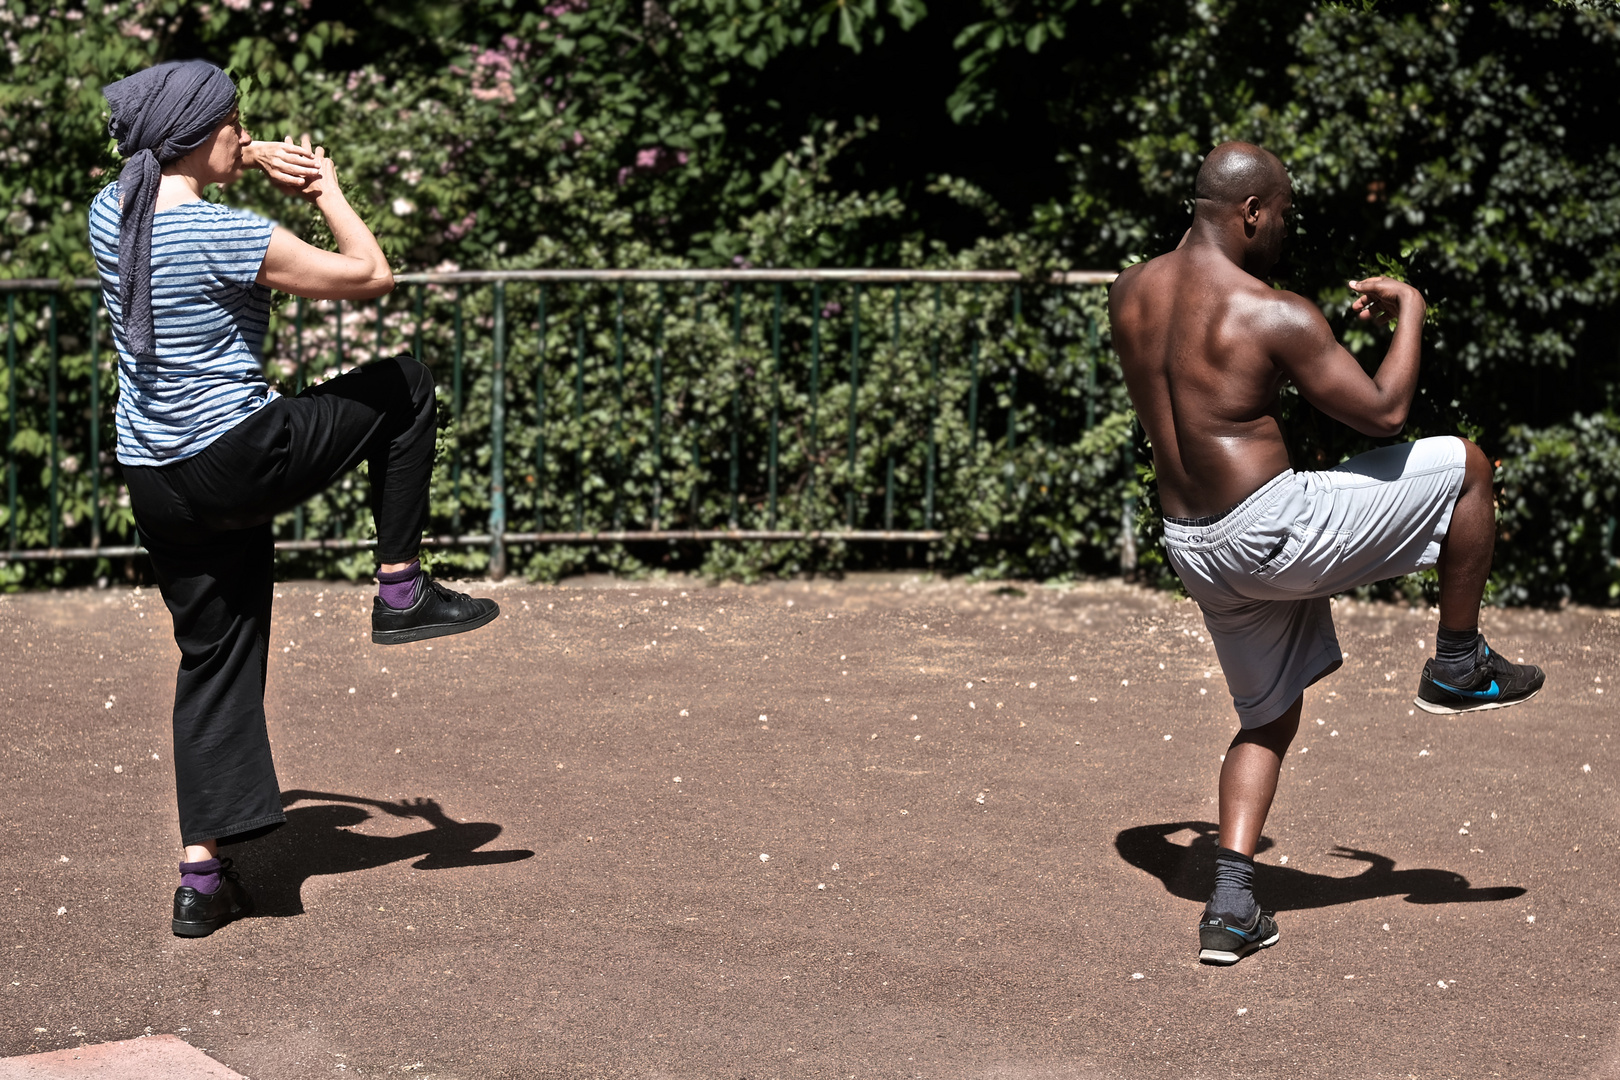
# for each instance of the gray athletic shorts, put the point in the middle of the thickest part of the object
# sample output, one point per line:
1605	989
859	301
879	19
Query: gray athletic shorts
1262	572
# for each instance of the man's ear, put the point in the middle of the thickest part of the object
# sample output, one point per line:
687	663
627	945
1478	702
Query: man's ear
1251	210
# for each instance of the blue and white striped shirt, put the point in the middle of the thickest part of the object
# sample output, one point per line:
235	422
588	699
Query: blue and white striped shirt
209	317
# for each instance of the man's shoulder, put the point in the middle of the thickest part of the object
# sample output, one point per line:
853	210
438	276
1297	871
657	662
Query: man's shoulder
1279	309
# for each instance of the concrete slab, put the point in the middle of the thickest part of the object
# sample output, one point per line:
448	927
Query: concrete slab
149	1057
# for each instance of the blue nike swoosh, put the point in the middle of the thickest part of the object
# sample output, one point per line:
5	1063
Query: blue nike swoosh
1242	933
1493	691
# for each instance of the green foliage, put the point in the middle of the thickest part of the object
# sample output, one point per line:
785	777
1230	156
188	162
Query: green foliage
1560	493
1462	146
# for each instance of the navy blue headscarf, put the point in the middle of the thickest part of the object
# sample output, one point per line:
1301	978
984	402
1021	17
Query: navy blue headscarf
158	116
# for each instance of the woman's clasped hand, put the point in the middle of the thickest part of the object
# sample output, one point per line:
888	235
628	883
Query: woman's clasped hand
295	168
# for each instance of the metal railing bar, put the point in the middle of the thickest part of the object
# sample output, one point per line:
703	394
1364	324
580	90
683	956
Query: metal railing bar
510	538
851	274
15	285
485	277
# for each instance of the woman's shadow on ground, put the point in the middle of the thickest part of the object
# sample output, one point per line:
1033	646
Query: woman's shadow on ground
1189	872
317	840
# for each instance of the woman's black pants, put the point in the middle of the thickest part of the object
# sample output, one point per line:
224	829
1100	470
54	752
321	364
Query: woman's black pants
206	522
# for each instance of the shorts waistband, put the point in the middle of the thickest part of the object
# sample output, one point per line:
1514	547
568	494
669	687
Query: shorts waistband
1206	532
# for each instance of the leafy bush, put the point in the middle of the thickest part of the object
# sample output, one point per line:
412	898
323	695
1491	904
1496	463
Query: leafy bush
1453	145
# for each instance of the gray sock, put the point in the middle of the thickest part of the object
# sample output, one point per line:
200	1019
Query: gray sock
1455	653
1233	899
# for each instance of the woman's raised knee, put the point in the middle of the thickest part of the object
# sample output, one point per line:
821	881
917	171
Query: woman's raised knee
417	376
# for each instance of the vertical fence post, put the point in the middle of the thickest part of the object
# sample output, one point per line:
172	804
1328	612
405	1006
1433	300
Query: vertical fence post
658	411
618	411
1091	373
497	430
416	326
56	450
812	455
736	397
693	441
11	420
933	413
455	414
579	421
1012	391
888	478
776	397
1127	529
298	387
854	394
973	376
95	420
540	419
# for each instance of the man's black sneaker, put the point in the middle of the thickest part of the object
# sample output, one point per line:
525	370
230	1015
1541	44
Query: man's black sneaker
198	914
1493	684
435	611
1220	942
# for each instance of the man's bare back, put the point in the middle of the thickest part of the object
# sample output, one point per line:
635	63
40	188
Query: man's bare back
1206	345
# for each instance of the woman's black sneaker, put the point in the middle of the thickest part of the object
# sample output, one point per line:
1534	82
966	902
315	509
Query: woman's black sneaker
1493	684
435	611
1220	942
198	914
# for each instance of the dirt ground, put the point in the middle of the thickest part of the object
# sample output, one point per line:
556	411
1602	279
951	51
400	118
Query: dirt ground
875	828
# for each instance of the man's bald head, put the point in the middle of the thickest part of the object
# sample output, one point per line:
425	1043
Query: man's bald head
1234	171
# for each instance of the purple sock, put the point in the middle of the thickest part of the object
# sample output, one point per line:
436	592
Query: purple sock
398	587
202	876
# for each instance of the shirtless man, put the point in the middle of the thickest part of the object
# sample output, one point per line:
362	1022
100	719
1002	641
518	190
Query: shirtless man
1206	345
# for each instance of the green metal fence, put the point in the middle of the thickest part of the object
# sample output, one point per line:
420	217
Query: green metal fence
644	405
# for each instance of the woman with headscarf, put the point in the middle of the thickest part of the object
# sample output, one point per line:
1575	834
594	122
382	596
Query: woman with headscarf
211	454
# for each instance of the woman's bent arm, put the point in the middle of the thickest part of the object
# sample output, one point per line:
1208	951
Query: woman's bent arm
357	270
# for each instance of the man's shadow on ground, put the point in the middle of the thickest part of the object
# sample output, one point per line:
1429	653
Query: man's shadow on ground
1189	872
316	840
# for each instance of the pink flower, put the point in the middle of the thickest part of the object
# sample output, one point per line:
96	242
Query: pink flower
462	227
654	161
